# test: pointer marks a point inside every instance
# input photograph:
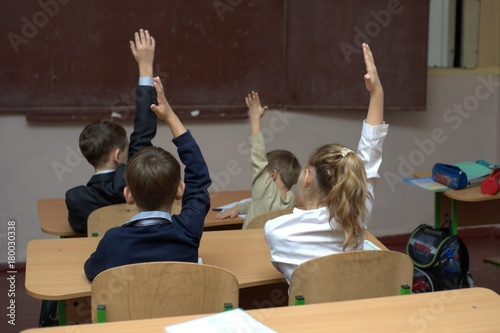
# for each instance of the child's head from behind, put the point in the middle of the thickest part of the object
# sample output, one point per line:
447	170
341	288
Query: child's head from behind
285	164
99	139
153	178
335	176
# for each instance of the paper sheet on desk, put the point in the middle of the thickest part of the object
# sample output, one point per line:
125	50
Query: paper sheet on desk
367	245
427	183
236	320
232	204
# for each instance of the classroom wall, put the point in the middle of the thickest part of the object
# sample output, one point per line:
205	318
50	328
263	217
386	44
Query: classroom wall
41	160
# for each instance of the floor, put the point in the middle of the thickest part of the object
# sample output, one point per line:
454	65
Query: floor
481	243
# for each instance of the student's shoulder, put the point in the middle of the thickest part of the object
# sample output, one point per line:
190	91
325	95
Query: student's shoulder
280	222
113	235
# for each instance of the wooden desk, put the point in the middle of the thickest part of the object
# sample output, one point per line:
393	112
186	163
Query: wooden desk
53	214
473	207
218	199
463	310
54	267
53	217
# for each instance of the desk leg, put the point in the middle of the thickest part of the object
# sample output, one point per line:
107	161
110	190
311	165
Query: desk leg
62	312
454	217
437	209
61	306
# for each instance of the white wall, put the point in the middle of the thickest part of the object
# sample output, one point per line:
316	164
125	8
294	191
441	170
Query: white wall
28	152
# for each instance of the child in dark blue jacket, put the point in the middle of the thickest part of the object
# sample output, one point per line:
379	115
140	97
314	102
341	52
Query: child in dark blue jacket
105	145
153	179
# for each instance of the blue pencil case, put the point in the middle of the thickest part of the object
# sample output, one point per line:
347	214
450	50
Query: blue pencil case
449	175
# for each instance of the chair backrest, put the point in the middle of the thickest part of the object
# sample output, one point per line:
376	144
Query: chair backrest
161	289
351	275
259	221
104	218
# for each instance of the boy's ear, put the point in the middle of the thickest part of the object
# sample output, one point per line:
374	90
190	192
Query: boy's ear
273	173
116	155
180	190
128	196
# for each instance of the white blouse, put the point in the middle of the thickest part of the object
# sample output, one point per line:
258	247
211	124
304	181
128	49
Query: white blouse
306	234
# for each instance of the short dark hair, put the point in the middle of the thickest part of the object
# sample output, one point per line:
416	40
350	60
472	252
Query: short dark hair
99	138
153	176
286	164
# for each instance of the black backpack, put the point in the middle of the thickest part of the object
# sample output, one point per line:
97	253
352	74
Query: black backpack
440	260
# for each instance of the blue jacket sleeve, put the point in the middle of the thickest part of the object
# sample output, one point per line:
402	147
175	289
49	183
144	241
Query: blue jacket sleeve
196	199
98	261
145	121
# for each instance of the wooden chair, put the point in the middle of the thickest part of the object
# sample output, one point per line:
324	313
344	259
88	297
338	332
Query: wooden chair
161	289
259	221
351	275
104	218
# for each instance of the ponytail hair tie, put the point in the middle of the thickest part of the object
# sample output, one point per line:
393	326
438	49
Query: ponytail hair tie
345	151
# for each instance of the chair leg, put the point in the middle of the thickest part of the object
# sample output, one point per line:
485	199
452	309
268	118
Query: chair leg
101	313
48	314
405	289
299	300
228	306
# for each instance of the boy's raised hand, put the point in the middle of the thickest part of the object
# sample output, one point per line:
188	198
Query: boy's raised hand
253	103
143	50
163	109
372	81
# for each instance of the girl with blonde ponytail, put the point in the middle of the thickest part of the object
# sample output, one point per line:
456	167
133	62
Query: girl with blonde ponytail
337	190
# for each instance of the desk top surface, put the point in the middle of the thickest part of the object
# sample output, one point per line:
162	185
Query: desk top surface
463	310
53	213
54	267
470	194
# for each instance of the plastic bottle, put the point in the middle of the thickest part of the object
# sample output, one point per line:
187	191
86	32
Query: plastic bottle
452	267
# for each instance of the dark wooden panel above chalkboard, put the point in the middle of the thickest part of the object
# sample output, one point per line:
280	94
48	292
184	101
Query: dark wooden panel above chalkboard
70	59
325	64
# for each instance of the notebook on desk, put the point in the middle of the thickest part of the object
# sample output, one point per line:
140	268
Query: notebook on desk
474	171
367	245
232	204
427	183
